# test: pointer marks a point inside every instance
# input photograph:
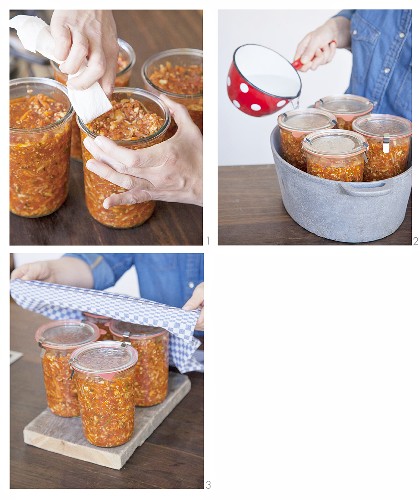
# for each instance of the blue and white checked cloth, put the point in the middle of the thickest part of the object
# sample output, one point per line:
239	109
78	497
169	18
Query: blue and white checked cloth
67	302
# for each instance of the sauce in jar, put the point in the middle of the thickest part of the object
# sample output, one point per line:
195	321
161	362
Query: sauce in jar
125	63
138	120
178	73
40	133
346	108
389	139
295	126
104	378
152	368
337	155
58	340
102	322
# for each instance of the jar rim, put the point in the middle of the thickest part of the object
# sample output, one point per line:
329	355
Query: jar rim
309	111
141	140
168	53
104	344
358	126
349	98
48	82
39	334
361	147
123	333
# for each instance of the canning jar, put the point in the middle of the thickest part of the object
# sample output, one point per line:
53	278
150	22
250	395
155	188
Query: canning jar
177	73
338	155
346	108
125	63
102	322
138	119
58	339
104	376
40	133
152	368
295	126
389	139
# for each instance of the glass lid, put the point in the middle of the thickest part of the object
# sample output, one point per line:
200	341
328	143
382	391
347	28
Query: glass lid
334	143
307	120
104	357
123	329
377	125
345	104
66	334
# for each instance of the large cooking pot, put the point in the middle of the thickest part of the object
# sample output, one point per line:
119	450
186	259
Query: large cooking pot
351	212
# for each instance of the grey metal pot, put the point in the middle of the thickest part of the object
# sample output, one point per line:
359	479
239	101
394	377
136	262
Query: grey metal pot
351	212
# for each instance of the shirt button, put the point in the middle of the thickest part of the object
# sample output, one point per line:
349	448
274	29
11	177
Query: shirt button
190	284
354	32
402	35
387	70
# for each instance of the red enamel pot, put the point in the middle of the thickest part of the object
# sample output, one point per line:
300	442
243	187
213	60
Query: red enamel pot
261	81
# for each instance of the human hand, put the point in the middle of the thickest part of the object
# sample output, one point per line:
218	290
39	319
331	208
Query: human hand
91	34
319	46
197	301
65	271
169	171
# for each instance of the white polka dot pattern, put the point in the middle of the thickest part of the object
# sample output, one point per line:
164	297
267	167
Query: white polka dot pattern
244	88
255	107
236	103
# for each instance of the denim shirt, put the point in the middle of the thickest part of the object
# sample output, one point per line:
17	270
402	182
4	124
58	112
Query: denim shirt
166	278
381	46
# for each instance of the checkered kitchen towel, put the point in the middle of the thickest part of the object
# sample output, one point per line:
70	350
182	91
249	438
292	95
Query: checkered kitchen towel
67	302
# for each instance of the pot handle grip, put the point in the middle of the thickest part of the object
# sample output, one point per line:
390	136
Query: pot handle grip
298	63
365	189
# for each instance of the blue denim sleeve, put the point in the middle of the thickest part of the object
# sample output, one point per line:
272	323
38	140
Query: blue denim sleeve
107	268
346	13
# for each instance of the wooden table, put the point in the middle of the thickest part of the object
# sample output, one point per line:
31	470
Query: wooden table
148	32
172	457
251	212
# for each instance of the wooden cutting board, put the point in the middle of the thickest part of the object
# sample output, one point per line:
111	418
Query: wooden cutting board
65	435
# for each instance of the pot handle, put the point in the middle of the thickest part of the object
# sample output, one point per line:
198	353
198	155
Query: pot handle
365	189
298	63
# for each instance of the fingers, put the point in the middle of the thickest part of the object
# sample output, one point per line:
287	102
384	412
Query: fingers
111	56
196	300
200	322
109	174
77	56
105	150
137	195
31	271
62	40
301	48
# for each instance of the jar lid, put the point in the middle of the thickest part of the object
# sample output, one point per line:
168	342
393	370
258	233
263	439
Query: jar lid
345	104
377	125
124	329
66	334
307	120
106	357
335	142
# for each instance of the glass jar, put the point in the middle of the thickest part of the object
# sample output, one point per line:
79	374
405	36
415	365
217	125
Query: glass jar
113	125
152	368
125	63
295	126
104	376
102	322
389	139
177	73
346	108
58	339
40	133
338	155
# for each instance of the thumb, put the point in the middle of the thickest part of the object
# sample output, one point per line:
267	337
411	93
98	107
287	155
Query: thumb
178	111
62	40
196	300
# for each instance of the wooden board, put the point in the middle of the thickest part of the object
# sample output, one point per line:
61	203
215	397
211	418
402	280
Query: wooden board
65	435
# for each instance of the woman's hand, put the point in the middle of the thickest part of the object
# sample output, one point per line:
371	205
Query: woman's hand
197	301
91	35
169	171
318	47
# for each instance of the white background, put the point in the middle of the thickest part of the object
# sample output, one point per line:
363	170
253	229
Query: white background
312	353
244	139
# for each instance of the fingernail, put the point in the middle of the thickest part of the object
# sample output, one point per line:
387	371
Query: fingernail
89	165
105	204
87	141
99	140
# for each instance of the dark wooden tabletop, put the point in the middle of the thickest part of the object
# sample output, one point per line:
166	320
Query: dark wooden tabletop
251	212
172	457
147	32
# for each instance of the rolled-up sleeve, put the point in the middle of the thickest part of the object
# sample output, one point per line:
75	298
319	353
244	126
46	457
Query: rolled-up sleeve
107	269
346	13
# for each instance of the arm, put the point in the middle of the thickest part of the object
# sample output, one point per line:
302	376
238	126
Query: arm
91	34
169	171
65	271
316	47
